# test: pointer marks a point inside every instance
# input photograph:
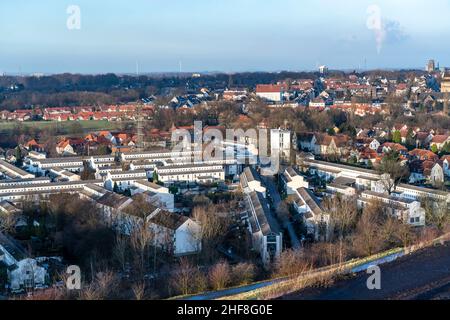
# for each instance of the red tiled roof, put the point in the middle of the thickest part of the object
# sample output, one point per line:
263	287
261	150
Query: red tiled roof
268	88
440	138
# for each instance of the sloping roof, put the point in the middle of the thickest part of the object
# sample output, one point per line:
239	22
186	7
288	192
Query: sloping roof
167	219
96	188
305	136
440	138
291	171
423	154
149	184
312	202
344	181
249	175
12	168
268	88
339	140
8	207
261	218
113	200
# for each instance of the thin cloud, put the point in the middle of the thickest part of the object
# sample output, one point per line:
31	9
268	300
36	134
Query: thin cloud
394	32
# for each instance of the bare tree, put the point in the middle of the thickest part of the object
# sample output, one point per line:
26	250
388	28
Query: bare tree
213	228
367	240
243	273
187	278
291	262
219	275
141	239
393	170
437	213
8	222
343	214
139	290
121	250
325	253
104	286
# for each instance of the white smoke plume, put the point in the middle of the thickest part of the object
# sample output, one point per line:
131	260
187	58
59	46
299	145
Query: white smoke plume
374	22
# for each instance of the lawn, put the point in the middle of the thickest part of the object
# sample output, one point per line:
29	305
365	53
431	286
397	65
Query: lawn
89	125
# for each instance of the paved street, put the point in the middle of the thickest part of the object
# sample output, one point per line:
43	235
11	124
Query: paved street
269	181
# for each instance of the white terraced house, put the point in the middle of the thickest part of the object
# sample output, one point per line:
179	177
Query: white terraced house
68	163
36	191
44	165
366	179
251	181
12	172
407	210
160	155
191	173
309	207
343	186
266	233
21	182
133	174
292	181
174	233
404	202
155	194
59	174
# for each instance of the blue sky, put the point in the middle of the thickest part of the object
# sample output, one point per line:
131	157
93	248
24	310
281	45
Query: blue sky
220	35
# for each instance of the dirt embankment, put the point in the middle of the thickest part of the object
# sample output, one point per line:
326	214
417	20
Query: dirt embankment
422	275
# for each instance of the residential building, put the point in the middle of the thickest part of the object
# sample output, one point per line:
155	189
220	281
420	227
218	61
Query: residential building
407	210
316	220
23	274
191	173
13	172
280	143
250	181
269	92
175	233
292	181
266	234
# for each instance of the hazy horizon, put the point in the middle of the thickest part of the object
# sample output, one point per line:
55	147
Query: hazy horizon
223	36
212	72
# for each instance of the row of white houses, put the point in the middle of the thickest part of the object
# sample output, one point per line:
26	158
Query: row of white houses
404	202
267	237
365	179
